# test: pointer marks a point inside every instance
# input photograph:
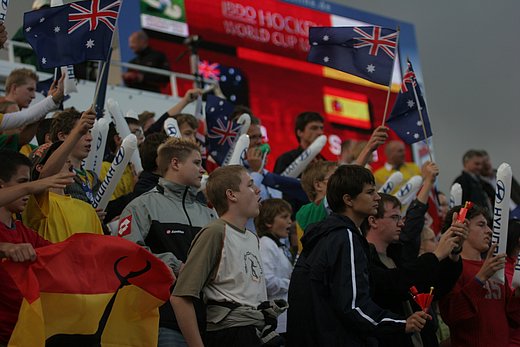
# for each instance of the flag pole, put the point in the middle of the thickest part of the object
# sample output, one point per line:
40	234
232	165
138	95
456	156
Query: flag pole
107	62
391	76
419	108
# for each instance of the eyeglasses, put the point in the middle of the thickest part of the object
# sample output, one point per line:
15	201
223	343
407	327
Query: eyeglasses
397	218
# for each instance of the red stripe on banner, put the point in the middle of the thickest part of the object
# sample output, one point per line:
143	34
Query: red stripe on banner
86	264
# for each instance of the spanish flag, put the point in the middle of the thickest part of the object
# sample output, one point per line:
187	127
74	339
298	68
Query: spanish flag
346	108
90	290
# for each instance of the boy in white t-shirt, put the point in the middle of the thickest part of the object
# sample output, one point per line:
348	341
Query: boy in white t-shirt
224	264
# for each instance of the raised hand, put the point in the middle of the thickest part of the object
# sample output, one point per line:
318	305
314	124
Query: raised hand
57	90
492	264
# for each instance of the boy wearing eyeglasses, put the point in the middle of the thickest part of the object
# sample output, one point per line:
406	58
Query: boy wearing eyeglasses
392	275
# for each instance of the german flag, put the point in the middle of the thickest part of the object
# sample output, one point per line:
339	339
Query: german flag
90	290
346	108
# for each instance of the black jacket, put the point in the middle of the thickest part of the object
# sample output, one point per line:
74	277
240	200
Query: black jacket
329	297
473	190
391	287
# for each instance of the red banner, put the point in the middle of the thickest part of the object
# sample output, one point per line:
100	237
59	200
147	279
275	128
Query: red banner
268	25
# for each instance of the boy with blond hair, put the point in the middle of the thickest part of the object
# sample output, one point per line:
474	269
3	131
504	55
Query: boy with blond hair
166	219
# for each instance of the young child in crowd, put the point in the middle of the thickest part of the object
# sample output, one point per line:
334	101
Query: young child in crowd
49	212
272	224
17	242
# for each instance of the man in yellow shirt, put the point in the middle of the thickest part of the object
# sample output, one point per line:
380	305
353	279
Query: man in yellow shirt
395	161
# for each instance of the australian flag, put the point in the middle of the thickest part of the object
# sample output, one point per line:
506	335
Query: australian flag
231	81
405	119
222	131
367	52
72	33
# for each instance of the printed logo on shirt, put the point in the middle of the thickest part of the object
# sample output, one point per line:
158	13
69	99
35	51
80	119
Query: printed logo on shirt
253	267
125	226
168	232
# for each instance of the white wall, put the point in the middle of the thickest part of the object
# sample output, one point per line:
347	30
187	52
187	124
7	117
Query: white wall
469	51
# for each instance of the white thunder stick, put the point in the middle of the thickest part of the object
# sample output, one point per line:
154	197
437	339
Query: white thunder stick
501	213
3	10
393	181
299	164
115	172
99	141
408	191
122	128
240	150
171	128
245	122
455	195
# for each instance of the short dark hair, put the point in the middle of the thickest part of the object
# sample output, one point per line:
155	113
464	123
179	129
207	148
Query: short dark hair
305	118
148	150
473	212
269	209
44	128
63	122
347	179
471	154
386	198
11	161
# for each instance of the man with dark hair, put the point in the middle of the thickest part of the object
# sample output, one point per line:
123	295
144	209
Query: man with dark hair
138	43
329	294
308	127
391	276
472	184
395	152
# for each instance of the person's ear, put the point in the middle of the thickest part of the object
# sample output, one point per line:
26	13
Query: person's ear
2	183
347	200
175	163
230	195
61	136
372	222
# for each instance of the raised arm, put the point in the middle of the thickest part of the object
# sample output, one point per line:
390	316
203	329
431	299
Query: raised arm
190	96
36	112
57	159
379	137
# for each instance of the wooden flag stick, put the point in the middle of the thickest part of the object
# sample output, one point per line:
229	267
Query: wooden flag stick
391	77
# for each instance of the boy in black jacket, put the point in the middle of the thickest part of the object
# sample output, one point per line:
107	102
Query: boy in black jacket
329	299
